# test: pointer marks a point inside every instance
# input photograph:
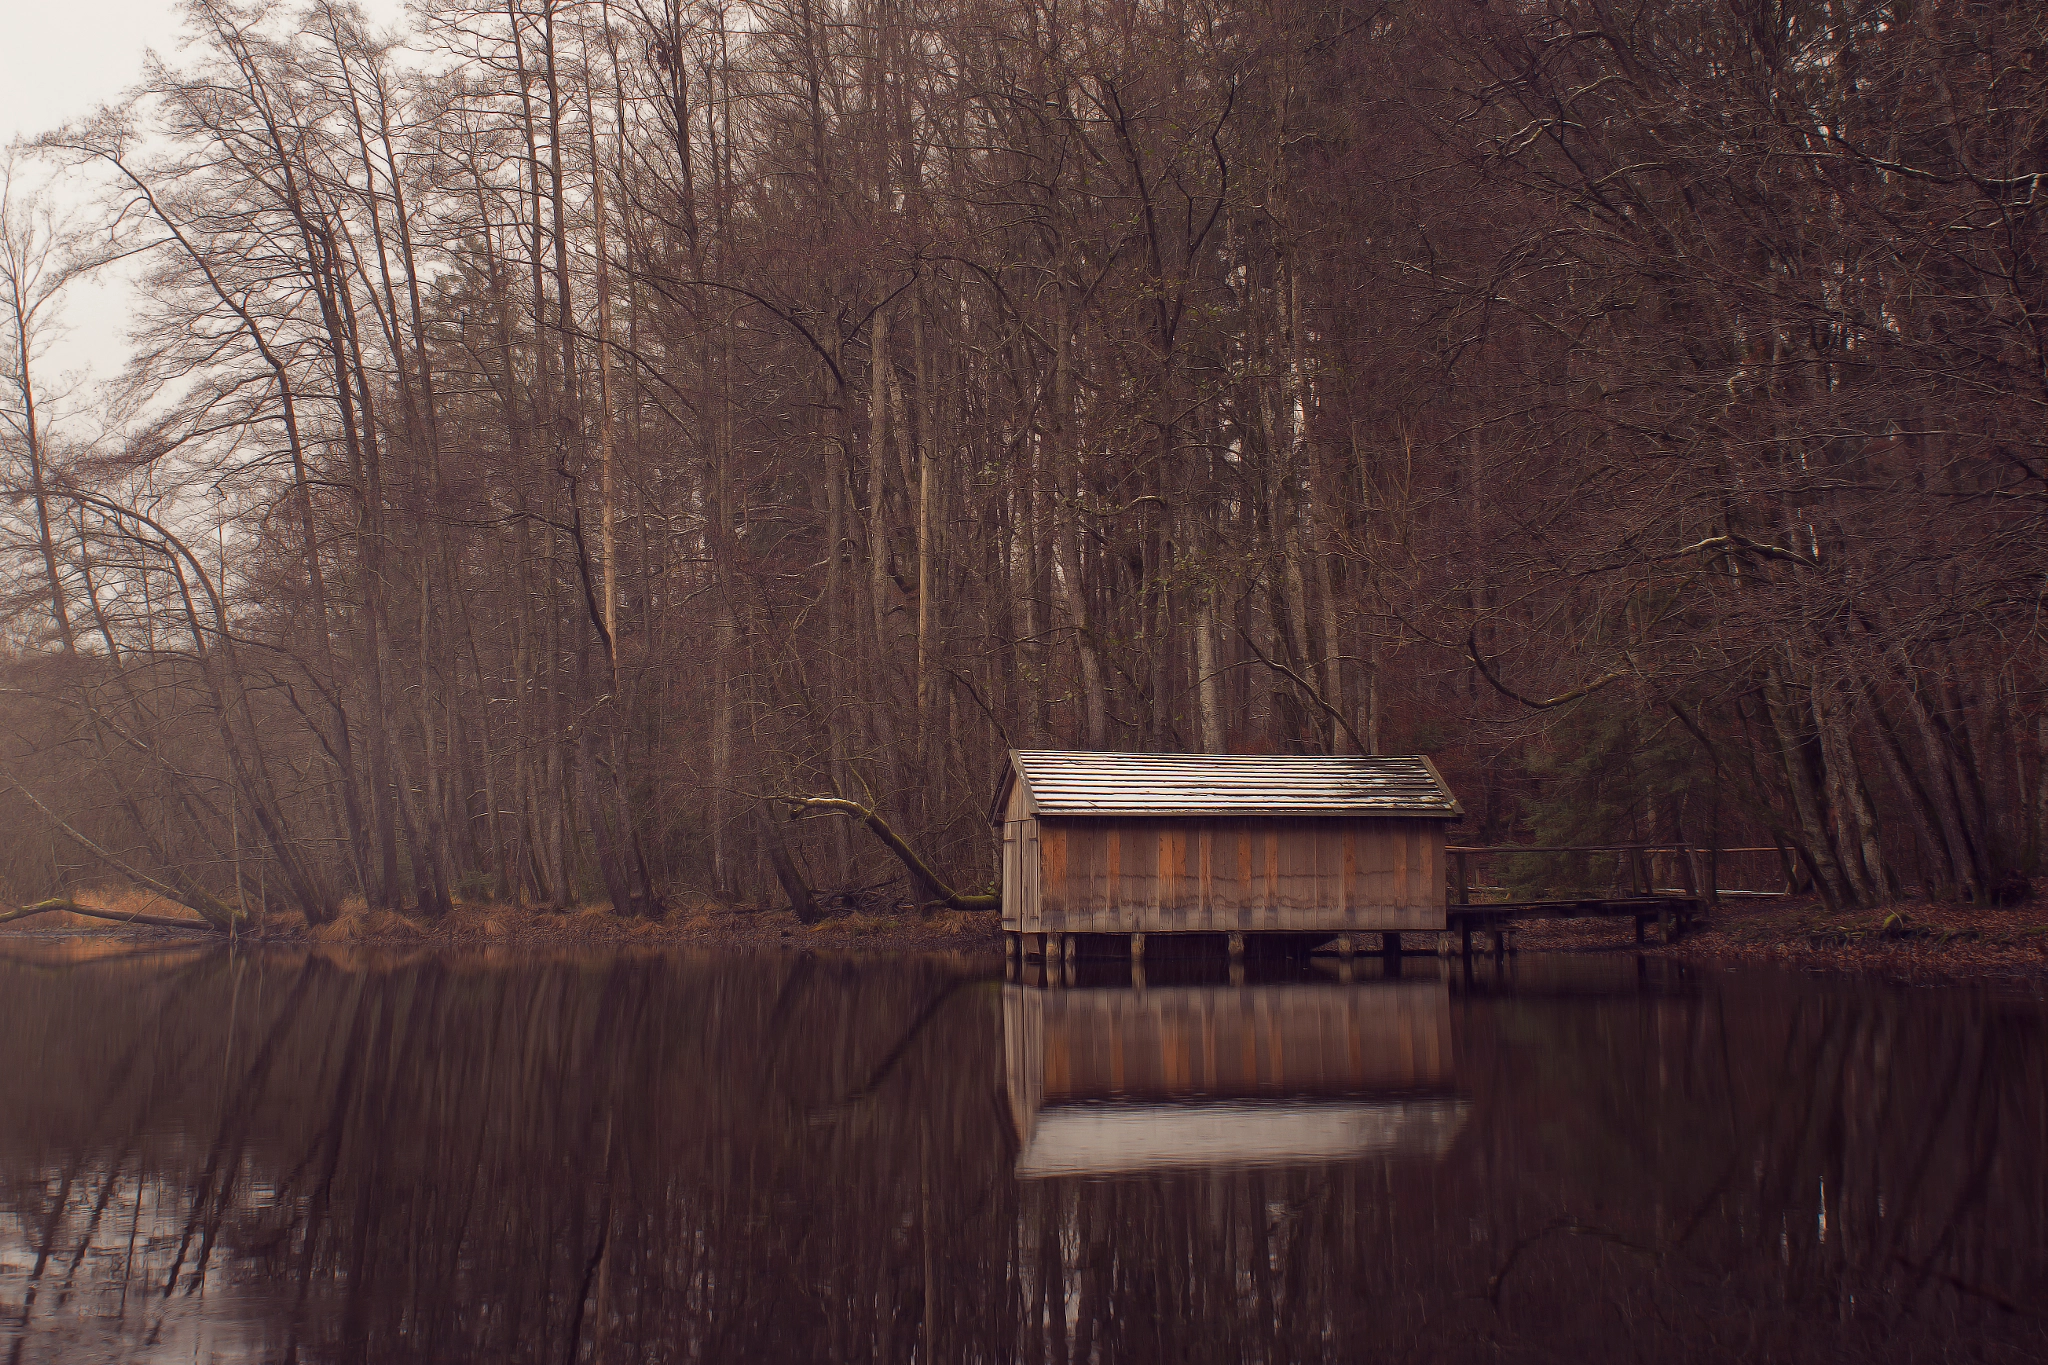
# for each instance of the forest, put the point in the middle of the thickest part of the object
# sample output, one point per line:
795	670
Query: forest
625	450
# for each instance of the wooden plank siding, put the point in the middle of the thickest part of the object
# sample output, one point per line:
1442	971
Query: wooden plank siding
1023	864
1194	875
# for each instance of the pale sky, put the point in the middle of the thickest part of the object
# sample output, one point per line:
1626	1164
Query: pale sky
59	60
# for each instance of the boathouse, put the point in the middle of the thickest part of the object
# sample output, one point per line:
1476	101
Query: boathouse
1219	844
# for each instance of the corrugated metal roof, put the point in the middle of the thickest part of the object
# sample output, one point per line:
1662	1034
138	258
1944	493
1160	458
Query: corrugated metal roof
1077	782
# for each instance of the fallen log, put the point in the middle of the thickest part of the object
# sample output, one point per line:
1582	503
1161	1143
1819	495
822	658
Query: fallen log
218	914
117	916
905	854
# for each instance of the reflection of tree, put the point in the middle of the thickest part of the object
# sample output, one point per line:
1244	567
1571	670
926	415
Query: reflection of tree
630	1159
1798	1158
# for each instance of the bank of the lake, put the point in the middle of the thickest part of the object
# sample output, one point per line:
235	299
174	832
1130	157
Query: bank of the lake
1917	940
694	924
1914	939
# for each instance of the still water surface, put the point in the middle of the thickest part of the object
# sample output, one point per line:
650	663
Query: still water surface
716	1158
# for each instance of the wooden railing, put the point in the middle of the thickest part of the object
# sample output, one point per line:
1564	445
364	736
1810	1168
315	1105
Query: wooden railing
1693	865
1673	908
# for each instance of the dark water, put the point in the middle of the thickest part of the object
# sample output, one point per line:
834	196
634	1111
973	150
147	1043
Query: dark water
668	1158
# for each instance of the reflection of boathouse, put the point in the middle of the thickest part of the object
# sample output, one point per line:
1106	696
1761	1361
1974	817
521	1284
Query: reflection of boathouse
1106	1081
1138	844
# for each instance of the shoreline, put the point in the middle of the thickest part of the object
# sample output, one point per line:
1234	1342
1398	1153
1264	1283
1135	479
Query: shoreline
1916	941
705	927
1920	942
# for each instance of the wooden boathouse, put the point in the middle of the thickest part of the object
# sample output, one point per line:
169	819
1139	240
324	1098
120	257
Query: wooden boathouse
1101	850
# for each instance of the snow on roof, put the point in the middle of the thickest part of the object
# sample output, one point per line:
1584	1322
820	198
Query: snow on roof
1079	782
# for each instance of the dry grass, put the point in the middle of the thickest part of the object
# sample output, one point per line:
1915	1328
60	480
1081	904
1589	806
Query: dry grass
690	921
354	926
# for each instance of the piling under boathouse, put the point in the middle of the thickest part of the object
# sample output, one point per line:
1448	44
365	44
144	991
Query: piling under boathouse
1103	850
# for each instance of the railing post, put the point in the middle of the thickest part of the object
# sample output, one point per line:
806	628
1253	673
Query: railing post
1464	868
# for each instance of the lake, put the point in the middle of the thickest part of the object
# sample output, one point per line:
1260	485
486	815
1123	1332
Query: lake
277	1156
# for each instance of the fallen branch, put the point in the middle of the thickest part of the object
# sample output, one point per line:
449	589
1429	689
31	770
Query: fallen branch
905	854
95	912
216	914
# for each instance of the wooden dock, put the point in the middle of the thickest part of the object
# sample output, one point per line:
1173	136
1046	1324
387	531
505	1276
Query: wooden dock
1673	909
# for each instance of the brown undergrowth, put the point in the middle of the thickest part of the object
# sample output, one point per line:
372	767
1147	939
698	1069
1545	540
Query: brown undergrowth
689	923
1917	939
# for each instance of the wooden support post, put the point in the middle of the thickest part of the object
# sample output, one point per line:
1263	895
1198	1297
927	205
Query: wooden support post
1054	950
1689	868
1345	947
1137	947
1500	942
1463	869
1646	872
1639	927
1465	937
1236	946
